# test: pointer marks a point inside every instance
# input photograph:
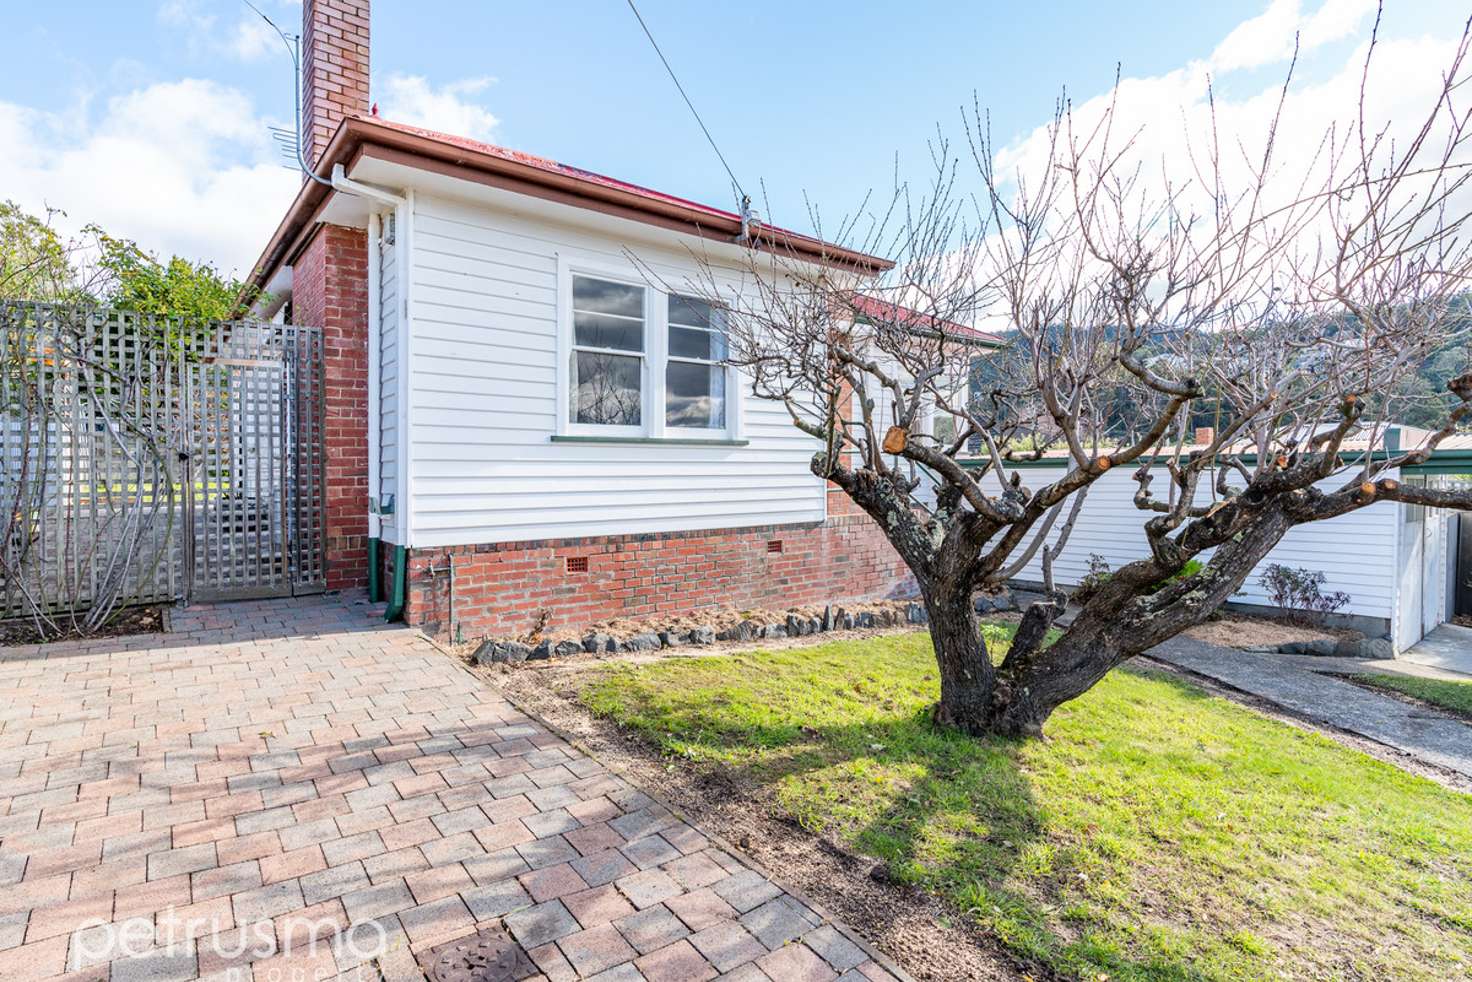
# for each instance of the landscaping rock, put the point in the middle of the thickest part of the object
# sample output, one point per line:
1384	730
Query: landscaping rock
917	614
566	649
867	619
513	652
1376	648
998	602
742	631
598	641
846	621
776	631
1318	646
644	641
704	634
796	626
815	625
541	652
673	639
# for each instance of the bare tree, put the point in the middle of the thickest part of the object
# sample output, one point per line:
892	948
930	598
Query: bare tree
88	483
1280	295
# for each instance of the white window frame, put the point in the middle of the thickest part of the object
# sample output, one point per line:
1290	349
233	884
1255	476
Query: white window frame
694	432
653	362
569	348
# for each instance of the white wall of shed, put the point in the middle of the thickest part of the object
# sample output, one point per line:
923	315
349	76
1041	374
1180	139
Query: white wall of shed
1357	552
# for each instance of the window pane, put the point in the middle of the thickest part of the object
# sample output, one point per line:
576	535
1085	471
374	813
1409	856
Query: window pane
606	389
689	311
597	331
603	297
689	342
695	395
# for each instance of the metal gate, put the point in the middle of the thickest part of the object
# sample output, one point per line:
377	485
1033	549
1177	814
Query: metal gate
147	460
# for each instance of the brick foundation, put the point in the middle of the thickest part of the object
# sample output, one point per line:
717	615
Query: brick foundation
331	292
502	589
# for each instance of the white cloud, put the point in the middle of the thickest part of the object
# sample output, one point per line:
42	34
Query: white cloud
253	38
1169	122
450	108
1172	123
182	167
249	39
1269	37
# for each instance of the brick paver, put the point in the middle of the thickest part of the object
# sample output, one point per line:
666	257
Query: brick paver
295	790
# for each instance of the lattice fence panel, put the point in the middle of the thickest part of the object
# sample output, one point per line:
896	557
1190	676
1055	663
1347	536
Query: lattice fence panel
145	461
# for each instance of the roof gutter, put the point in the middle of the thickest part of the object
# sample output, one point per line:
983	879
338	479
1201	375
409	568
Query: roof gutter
341	182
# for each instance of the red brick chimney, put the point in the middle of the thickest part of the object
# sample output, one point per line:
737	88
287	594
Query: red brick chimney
334	69
330	283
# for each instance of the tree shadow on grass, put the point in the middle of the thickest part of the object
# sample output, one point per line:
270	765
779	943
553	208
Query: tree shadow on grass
951	814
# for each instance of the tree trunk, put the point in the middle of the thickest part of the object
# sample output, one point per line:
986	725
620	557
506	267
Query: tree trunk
978	699
1119	622
1028	693
966	674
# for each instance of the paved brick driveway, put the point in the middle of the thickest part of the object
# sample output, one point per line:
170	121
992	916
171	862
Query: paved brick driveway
201	803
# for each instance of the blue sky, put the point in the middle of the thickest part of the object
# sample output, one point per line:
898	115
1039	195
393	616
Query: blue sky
150	115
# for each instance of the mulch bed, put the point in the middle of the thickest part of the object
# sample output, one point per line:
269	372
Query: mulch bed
1232	631
130	620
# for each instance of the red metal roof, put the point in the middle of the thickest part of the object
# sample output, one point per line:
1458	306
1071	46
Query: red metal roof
548	166
526	173
557	167
877	308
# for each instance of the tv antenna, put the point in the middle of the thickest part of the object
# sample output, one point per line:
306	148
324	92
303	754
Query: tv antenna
289	142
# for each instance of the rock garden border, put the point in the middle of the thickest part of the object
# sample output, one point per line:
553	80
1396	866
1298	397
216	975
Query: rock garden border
752	625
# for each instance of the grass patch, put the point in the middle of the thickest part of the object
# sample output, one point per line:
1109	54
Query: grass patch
1455	696
1159	832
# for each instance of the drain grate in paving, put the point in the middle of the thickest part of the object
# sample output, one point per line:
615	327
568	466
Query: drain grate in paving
488	955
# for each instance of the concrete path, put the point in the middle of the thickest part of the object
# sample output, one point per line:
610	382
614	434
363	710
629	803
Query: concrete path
1432	737
1331	665
1448	647
293	790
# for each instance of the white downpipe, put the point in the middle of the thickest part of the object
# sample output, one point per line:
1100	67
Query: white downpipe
341	182
404	241
375	355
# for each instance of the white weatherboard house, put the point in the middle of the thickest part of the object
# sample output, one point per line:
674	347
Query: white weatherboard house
1398	563
524	427
527	421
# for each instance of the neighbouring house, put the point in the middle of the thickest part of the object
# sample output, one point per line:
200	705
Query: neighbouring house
527	425
1400	565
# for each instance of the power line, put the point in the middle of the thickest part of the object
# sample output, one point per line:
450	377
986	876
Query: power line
293	48
703	128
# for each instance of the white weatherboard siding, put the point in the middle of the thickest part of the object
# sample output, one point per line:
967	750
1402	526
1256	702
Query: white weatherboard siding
389	313
483	402
1357	552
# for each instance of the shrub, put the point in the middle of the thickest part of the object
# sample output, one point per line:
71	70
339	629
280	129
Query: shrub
1297	591
1096	577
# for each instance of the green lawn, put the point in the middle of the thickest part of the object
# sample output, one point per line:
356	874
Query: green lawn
1158	832
1456	696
